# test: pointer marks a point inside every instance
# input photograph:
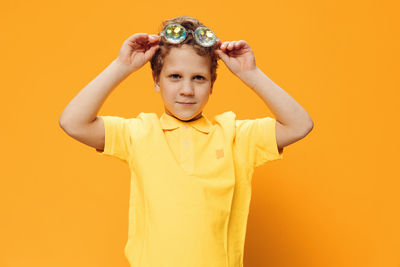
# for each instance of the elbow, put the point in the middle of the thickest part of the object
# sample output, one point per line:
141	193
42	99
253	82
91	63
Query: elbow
62	125
61	121
311	126
306	129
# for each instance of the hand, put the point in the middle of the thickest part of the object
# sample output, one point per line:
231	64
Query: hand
237	56
137	50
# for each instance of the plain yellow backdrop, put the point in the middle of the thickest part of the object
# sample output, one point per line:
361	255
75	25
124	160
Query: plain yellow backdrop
333	201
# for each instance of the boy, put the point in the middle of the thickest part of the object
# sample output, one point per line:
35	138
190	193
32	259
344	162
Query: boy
190	177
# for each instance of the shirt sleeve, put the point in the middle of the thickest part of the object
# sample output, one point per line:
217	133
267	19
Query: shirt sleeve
256	141
117	134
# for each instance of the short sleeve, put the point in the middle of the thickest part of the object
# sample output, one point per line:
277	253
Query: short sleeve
118	138
256	141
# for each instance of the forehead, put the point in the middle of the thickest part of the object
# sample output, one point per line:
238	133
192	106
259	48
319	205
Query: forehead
185	59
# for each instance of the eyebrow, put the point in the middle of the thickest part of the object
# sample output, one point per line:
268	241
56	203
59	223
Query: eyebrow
176	71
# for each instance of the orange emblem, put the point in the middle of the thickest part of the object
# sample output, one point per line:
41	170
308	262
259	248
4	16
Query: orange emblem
220	153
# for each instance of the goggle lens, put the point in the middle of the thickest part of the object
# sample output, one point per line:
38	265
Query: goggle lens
205	36
175	33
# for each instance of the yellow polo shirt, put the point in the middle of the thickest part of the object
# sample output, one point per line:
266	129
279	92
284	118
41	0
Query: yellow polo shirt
190	185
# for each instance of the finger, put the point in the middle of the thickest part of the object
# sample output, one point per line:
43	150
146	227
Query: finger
142	39
244	43
154	38
230	46
137	36
150	52
224	45
222	55
239	44
218	44
154	41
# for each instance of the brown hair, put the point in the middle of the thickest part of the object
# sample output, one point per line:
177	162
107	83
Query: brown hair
190	23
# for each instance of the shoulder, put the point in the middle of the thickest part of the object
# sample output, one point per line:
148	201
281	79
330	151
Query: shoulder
225	116
230	117
225	121
147	115
143	118
142	123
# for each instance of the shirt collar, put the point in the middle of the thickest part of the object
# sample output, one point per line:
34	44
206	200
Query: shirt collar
169	122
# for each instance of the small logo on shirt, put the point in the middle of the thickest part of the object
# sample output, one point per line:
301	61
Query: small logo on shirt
219	153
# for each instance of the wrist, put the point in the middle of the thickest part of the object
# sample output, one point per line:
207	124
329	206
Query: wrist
251	77
121	68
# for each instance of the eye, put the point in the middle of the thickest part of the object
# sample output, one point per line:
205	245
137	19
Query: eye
200	77
175	75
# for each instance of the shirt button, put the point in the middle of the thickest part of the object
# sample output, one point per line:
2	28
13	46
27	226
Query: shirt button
186	143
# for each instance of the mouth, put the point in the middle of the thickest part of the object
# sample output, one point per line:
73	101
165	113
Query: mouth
186	103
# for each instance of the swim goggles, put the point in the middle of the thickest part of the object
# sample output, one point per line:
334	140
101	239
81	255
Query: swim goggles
176	33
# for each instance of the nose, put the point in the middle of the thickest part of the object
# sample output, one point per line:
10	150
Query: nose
187	88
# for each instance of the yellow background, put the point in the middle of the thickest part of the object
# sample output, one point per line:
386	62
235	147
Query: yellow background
333	201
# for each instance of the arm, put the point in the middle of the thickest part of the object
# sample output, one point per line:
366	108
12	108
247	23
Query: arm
84	107
292	121
79	118
283	106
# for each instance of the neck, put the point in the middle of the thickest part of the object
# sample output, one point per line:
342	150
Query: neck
195	118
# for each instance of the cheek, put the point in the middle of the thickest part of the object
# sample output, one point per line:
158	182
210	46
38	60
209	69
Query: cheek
169	93
206	89
205	95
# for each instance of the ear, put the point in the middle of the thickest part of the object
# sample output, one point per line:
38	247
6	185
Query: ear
156	84
212	83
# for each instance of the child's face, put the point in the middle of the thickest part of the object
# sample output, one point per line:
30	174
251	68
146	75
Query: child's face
184	77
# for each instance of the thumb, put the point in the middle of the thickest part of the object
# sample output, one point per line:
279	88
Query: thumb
222	55
150	53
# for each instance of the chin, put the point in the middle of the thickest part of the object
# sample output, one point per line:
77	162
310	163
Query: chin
185	116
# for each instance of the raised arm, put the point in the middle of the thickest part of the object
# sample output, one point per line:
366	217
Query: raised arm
79	119
292	121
